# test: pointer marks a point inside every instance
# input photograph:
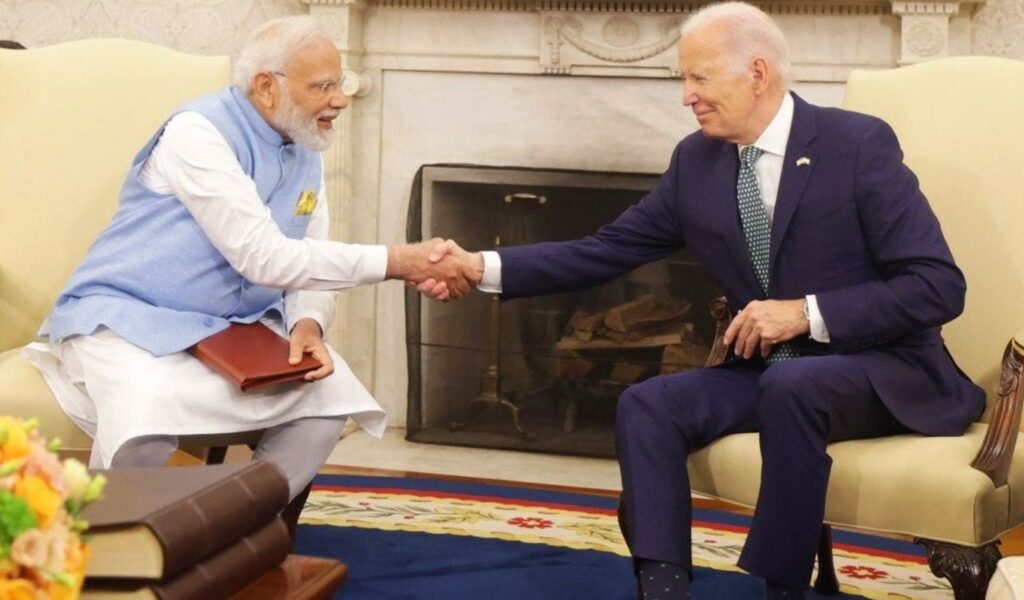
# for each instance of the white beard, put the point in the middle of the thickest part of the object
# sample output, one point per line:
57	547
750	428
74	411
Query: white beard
301	127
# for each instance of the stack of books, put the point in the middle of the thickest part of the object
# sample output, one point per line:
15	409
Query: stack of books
184	533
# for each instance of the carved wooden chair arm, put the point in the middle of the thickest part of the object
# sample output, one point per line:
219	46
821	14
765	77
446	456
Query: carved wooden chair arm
996	451
722	313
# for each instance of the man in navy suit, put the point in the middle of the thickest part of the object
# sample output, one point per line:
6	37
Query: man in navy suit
808	220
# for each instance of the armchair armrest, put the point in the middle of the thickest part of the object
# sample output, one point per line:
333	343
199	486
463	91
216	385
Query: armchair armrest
996	451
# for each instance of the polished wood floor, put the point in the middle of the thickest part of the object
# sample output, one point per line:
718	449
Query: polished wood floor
1013	543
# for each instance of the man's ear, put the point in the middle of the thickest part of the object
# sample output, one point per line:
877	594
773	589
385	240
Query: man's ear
264	90
759	75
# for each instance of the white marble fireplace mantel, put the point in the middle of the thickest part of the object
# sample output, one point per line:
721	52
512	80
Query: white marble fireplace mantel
586	37
577	84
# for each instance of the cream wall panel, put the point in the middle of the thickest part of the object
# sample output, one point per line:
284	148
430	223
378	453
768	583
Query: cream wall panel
998	29
196	26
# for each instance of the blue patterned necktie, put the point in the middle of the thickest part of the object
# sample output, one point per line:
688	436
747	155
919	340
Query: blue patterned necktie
757	231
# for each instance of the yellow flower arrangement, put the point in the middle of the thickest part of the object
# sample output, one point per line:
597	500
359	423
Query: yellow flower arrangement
42	553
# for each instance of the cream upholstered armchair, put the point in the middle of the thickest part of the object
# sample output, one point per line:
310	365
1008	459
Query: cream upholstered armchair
961	125
74	115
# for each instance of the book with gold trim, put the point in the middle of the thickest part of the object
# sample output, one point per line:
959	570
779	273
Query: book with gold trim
154	523
218	576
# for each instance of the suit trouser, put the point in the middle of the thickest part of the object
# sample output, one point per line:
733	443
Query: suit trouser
797	406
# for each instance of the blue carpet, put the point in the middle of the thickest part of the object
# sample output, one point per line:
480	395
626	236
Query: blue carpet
397	564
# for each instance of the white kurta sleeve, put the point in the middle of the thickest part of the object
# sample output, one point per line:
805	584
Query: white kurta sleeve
310	304
193	161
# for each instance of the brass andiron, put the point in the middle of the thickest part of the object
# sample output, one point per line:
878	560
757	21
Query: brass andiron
490	381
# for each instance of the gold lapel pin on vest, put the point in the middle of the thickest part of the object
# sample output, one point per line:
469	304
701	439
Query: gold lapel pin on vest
803	160
306	203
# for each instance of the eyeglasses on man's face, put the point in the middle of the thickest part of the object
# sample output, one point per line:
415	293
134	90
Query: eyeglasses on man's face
321	89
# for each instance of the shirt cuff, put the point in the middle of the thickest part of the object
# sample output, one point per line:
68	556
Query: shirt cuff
819	332
376	261
318	318
305	304
491	280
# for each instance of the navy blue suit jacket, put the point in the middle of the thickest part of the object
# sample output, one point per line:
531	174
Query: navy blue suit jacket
852	227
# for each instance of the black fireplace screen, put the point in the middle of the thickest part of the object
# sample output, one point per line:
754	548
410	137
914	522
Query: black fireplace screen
544	373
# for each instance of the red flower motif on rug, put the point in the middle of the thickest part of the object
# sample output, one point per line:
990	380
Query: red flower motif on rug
862	572
866	571
530	522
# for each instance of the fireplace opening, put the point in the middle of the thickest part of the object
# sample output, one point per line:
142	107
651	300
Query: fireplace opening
544	373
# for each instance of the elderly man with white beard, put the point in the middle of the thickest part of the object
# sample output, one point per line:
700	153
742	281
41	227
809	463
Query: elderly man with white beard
222	218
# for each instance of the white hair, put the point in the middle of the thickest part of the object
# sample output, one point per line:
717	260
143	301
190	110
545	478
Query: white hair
751	34
272	45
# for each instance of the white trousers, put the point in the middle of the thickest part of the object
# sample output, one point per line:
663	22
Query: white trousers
297	447
135	404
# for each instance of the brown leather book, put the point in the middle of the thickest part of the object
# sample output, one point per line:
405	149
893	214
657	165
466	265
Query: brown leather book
155	523
252	356
219	576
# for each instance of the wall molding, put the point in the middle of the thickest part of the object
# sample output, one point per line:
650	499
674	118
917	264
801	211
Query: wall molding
810	7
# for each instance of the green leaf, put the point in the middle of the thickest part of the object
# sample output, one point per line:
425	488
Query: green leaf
15	517
95	489
62	578
11	466
74	507
79	525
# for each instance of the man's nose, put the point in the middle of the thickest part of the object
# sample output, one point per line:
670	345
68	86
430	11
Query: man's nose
339	101
688	96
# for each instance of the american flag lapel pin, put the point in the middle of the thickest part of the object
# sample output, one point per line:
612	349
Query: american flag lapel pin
803	160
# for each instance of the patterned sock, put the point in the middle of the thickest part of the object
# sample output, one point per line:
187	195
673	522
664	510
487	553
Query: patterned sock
774	591
663	581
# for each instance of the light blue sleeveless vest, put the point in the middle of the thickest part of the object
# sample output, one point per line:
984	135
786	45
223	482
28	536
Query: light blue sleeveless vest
153	276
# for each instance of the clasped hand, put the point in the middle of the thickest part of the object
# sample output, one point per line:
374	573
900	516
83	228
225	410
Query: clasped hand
439	268
764	323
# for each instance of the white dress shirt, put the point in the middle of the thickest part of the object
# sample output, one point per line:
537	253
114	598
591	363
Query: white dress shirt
194	162
768	170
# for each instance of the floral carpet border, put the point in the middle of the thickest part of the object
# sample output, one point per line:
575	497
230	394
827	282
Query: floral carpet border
864	571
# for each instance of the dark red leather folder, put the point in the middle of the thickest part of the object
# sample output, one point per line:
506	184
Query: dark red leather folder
251	356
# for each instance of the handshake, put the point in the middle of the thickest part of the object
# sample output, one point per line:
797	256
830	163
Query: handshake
438	268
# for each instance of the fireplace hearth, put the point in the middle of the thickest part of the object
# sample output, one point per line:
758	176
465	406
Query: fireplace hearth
542	374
